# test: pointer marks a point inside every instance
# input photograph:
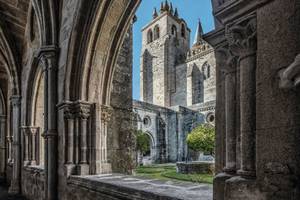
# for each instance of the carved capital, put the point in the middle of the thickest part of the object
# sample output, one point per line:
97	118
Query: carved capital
48	56
106	113
290	76
15	100
229	61
242	38
82	110
29	130
9	139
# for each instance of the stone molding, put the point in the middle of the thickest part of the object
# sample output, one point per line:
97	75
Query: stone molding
229	10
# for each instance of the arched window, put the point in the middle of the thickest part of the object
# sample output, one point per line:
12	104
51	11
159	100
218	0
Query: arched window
183	30
156	32
206	70
174	30
150	36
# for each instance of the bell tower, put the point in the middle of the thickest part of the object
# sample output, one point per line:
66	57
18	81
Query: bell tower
165	45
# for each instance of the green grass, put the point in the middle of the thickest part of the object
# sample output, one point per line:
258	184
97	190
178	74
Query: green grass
168	172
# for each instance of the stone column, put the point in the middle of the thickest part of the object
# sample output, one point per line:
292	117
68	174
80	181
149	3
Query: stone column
26	138
2	144
106	112
16	110
69	137
83	114
242	42
48	56
230	115
9	140
35	142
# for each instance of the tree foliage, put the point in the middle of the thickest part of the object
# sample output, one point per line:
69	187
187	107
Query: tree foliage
202	138
142	141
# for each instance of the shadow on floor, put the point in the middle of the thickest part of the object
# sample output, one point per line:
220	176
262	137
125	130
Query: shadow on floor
4	192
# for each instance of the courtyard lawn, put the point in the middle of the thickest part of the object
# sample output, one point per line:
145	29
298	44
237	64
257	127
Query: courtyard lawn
168	172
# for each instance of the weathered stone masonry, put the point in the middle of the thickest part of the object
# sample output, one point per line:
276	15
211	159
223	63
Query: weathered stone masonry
75	45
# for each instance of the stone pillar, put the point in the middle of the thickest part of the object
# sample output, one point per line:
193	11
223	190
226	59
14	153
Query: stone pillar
83	114
242	42
26	139
69	137
230	115
106	112
48	56
9	140
2	144
35	142
16	108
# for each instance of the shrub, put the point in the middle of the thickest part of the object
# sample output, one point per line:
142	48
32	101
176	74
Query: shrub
202	138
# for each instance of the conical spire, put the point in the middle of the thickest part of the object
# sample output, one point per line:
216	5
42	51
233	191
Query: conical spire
199	34
171	9
154	13
167	7
176	13
162	7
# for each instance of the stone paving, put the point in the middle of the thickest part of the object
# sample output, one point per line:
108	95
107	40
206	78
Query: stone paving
4	193
159	188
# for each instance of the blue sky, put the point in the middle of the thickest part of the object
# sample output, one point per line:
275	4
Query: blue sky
190	10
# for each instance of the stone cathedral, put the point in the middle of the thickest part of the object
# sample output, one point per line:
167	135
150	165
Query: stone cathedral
66	108
178	88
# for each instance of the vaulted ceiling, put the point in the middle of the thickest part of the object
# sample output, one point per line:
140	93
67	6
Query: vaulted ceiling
14	15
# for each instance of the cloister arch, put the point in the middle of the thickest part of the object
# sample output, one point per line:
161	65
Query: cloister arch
89	76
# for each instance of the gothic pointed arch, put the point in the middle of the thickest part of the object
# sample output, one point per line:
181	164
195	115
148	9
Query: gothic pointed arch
10	59
97	46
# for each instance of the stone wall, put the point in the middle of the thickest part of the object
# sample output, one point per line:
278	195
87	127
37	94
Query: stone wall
262	121
33	179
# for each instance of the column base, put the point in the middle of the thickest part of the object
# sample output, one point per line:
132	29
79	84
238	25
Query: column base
247	174
219	185
70	169
33	163
14	187
83	169
237	188
105	168
231	171
26	163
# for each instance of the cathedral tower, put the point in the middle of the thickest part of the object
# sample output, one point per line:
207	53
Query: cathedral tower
165	44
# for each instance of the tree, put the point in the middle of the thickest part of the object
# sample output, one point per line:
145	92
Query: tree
142	142
202	138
